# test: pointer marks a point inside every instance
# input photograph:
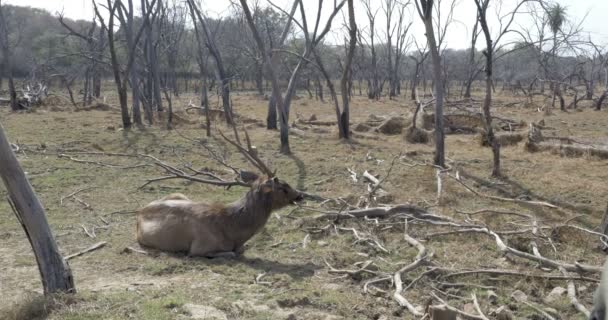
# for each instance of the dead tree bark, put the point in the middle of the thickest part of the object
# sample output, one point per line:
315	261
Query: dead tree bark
54	271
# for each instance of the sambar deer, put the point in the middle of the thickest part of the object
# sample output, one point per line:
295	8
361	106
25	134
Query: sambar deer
178	224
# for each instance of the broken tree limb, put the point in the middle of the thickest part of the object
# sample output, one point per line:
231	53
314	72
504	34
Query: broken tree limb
382	212
477	193
421	258
572	296
517	273
94	247
576	267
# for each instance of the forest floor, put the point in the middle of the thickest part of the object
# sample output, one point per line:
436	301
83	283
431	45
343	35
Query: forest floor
285	270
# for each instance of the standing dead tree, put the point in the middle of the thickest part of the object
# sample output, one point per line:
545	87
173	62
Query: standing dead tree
93	49
202	66
217	57
491	45
472	69
270	67
6	58
151	96
54	270
425	11
419	57
120	79
127	23
374	88
311	41
399	31
131	71
344	114
273	107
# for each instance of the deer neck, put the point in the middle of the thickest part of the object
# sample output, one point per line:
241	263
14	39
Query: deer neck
252	210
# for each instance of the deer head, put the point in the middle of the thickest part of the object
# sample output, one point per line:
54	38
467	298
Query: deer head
280	192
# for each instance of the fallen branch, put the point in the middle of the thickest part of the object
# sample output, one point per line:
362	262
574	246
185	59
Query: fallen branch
477	193
89	249
421	258
572	295
478	308
502	272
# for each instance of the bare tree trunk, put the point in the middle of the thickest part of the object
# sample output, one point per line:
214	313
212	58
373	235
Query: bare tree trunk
271	118
205	105
426	12
225	81
343	119
121	84
259	78
276	91
600	101
54	270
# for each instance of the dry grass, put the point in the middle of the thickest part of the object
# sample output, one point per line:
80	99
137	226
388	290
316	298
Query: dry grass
116	285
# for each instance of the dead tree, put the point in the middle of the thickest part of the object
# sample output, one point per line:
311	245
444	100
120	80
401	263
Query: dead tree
126	16
419	57
491	45
273	107
54	270
6	58
399	31
215	53
425	10
472	69
152	92
119	79
94	46
374	90
201	61
270	67
344	114
311	41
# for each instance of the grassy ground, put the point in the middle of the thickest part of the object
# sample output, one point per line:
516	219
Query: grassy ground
296	284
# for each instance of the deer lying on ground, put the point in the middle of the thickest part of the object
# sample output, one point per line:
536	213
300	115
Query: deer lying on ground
600	301
178	224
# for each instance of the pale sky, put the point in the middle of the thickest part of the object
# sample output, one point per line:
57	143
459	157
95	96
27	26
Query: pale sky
457	36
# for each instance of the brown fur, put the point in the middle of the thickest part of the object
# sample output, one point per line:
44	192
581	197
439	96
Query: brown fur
177	224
